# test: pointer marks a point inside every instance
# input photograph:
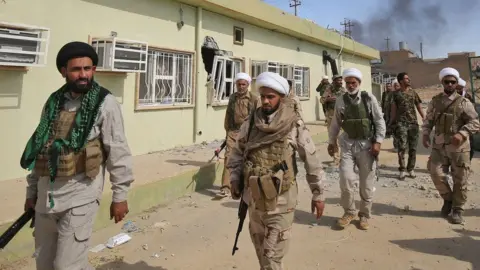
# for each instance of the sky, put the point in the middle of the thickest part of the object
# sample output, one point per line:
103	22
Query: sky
440	25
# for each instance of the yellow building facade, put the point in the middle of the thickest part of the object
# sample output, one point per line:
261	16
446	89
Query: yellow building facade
172	88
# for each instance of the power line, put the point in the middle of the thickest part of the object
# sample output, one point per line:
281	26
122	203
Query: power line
347	27
295	4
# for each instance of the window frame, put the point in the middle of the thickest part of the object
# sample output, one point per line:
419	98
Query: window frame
191	67
219	89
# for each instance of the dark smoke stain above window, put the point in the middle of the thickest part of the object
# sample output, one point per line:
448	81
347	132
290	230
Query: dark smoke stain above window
238	35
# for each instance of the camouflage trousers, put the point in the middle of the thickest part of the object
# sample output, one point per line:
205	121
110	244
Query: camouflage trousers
336	154
270	234
459	163
271	231
407	138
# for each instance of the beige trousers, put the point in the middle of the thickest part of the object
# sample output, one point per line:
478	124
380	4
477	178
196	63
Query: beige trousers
62	239
366	172
228	148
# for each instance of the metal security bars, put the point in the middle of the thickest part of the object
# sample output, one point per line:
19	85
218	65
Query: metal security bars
168	80
298	74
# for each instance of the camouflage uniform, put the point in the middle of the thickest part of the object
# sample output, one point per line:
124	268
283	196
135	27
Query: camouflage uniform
472	143
238	110
329	106
406	130
321	89
256	157
450	115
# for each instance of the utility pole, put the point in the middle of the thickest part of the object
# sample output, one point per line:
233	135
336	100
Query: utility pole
347	27
388	44
421	50
295	4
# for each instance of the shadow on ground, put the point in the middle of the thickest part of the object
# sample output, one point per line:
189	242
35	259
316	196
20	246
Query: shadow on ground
463	248
119	264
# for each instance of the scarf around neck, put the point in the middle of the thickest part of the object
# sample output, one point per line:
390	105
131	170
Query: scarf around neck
77	138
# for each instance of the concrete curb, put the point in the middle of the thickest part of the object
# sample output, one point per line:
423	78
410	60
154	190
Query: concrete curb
140	199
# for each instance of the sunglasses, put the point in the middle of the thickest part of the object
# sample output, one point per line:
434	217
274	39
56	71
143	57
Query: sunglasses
447	82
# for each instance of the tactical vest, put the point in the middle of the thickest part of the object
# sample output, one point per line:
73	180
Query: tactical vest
357	122
269	165
447	117
241	110
86	161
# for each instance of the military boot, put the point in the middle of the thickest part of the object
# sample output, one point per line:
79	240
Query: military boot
457	216
345	220
364	223
446	208
401	177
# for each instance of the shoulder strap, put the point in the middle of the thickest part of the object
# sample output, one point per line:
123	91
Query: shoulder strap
365	99
454	102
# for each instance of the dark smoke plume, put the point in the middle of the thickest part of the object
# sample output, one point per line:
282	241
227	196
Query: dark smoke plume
414	21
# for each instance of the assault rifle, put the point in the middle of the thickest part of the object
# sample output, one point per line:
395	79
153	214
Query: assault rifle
8	235
217	151
242	214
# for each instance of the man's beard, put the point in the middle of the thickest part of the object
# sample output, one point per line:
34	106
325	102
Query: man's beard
76	87
270	110
448	91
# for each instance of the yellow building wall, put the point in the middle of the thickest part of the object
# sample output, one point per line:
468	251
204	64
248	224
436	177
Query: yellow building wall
23	93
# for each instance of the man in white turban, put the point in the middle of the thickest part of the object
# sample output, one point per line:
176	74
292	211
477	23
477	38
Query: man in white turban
455	120
264	161
360	116
240	104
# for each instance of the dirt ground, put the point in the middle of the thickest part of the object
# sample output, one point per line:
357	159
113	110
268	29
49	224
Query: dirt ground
406	232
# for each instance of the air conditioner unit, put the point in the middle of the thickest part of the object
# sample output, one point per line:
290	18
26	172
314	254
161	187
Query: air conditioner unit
23	45
120	55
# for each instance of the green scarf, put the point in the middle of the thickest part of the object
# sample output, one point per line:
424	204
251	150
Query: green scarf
84	121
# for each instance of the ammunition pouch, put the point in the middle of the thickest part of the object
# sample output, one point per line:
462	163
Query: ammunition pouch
86	161
266	185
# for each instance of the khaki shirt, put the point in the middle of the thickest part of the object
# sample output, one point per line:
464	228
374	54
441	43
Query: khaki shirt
336	125
471	127
79	189
329	93
301	141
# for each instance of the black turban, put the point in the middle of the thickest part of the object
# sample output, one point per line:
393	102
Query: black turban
73	50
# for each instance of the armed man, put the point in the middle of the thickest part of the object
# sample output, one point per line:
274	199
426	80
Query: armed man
294	97
80	134
264	160
455	120
321	89
403	116
463	91
360	116
240	104
328	100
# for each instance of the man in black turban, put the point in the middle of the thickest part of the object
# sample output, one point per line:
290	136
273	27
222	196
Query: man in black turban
79	135
77	62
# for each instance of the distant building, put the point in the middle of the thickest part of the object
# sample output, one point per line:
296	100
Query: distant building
422	72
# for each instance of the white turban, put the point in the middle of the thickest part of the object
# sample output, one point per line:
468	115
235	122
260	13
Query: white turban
273	81
395	81
352	72
325	78
449	72
462	82
243	76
